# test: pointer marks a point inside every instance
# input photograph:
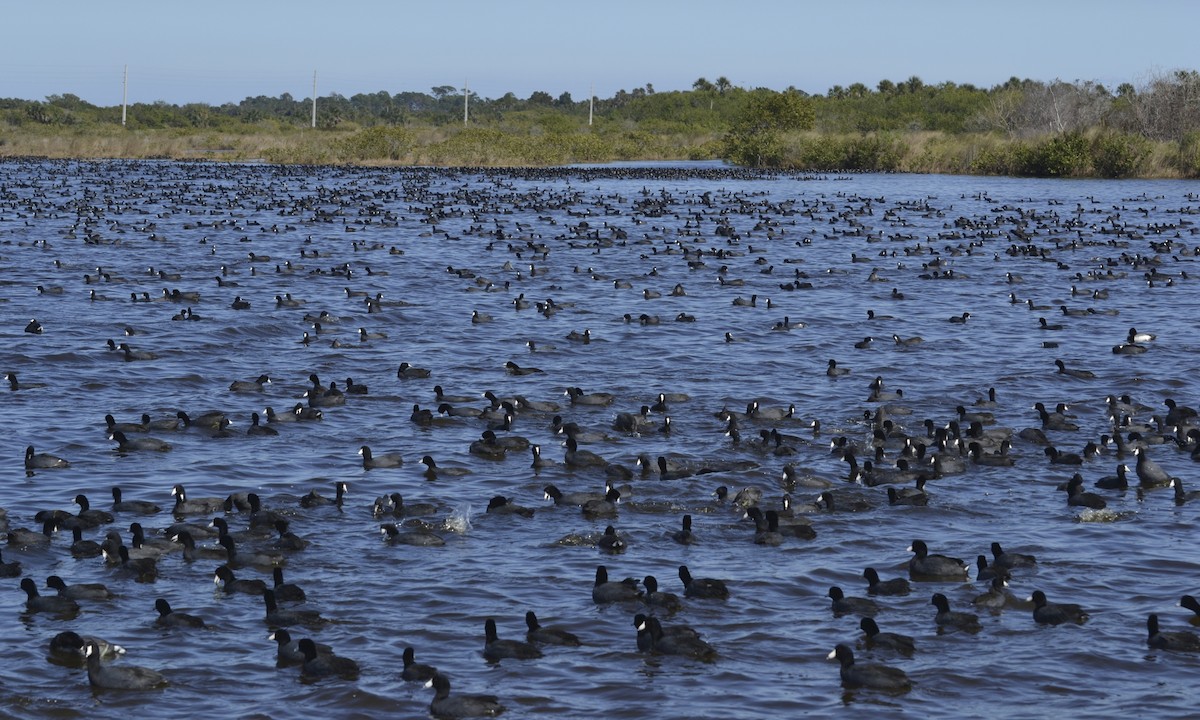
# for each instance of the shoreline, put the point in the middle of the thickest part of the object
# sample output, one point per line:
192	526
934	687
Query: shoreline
1097	155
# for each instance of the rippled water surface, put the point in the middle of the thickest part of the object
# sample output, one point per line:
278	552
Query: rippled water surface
439	245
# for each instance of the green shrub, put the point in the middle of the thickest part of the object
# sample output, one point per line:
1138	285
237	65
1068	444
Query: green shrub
1188	160
377	143
1065	155
999	160
1117	155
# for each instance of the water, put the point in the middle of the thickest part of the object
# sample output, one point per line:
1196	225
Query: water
773	633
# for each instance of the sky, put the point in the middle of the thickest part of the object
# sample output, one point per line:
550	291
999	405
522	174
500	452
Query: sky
219	51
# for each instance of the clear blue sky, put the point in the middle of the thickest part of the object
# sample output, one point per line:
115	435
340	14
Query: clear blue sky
220	51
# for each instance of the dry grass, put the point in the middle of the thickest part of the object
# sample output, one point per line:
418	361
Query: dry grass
920	152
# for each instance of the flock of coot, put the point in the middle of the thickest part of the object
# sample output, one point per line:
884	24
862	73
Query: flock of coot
602	368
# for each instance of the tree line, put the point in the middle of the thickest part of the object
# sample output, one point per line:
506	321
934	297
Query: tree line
1018	127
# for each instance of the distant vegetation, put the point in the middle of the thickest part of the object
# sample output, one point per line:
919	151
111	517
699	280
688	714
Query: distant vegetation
1022	127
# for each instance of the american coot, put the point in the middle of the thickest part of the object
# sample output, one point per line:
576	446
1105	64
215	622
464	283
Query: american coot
54	604
869	675
610	542
495	649
684	535
119	676
316	499
415	671
1058	457
238	560
646	640
952	619
229	583
579	397
408	372
500	505
1150	474
287	417
911	496
1078	497
24	538
576	458
540	462
443	397
286	618
320	665
1048	613
43	461
258	429
1179	640
132	355
169	618
893	586
141	569
287	650
1074	372
420	537
329	398
73	645
169	424
460	706
702	587
843	605
141	547
551	492
192	553
285	591
14	384
995	598
79	591
606	591
10	569
89	517
1010	559
433	471
1054	420
1183	496
602	508
287	539
195	506
653	638
256	385
111	425
536	633
875	639
1119	481
141	507
371	461
655	598
488	447
924	566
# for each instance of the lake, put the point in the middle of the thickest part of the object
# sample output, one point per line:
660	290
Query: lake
774	275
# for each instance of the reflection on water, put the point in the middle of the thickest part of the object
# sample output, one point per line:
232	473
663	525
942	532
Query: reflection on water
778	272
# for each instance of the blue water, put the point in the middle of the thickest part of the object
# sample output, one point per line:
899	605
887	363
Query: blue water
63	224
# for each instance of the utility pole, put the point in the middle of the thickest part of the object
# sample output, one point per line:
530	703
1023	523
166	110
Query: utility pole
314	109
466	98
591	101
124	95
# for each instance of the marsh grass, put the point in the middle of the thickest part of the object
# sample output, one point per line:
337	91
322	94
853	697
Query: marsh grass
1096	153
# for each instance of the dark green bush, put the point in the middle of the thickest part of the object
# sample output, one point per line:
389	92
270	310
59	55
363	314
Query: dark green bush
1118	155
